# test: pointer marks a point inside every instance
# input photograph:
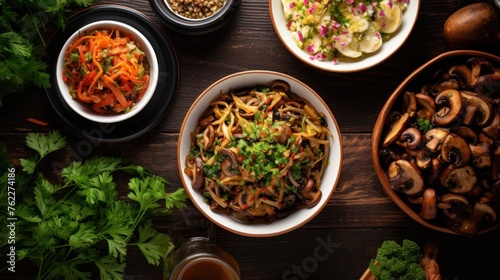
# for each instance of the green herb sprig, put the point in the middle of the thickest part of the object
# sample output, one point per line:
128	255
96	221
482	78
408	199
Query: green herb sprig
22	44
79	225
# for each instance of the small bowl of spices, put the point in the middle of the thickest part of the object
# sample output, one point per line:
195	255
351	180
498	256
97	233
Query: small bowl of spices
195	17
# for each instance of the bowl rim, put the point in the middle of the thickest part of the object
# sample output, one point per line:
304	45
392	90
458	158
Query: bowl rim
379	127
194	27
337	136
404	32
81	109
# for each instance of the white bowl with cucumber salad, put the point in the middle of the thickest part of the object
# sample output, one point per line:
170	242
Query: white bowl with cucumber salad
343	36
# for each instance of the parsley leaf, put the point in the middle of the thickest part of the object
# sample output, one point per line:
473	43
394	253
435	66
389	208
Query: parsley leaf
64	226
22	42
153	244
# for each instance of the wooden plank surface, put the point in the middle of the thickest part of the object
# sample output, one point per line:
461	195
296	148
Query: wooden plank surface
358	217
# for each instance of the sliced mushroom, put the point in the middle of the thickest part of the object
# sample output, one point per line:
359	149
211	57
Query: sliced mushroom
493	129
411	138
455	150
449	107
479	66
230	164
459	180
481	214
477	109
405	176
468	134
434	138
198	175
396	128
453	205
285	134
409	103
310	194
208	137
429	204
426	102
462	73
487	85
280	85
420	156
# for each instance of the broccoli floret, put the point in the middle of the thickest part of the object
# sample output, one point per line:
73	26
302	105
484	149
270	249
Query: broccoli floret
398	262
411	251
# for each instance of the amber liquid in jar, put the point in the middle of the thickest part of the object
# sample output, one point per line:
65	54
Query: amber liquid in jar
207	269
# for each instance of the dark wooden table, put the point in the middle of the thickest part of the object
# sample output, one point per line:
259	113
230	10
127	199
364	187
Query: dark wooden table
358	217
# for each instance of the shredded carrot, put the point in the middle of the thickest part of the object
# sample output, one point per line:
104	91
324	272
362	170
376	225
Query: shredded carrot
36	121
107	70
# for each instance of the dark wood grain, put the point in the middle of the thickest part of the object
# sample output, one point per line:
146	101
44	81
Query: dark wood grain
358	217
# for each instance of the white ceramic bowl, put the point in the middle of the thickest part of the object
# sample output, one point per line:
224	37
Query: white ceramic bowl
85	110
330	177
366	61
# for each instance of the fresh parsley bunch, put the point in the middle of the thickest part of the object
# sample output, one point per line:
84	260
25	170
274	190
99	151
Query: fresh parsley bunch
22	23
79	225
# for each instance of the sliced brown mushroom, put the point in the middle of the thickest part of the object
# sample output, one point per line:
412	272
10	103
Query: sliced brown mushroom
198	175
456	150
230	164
426	102
459	180
411	138
449	107
493	129
487	85
462	73
478	110
468	134
409	103
434	138
479	66
405	177
470	225
396	128
429	204
280	85
285	134
208	137
453	205
420	156
310	194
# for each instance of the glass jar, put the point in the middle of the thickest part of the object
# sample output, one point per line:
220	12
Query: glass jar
198	259
195	255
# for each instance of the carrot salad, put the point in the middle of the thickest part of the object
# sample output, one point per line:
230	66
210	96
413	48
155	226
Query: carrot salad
107	70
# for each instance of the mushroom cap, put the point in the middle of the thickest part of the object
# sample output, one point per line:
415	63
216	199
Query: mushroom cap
396	128
481	109
426	102
453	205
456	150
434	138
449	103
429	204
460	180
410	138
405	176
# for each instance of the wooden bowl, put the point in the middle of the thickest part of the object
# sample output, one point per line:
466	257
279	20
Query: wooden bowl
414	83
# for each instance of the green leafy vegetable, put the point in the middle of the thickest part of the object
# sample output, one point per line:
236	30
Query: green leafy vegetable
401	262
424	125
67	228
21	40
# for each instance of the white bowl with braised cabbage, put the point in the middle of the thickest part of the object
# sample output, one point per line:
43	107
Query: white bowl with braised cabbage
259	153
346	35
107	71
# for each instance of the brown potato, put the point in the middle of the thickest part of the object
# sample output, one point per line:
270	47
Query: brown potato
474	24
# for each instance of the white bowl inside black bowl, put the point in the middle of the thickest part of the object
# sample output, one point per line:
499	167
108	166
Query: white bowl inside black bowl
195	17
